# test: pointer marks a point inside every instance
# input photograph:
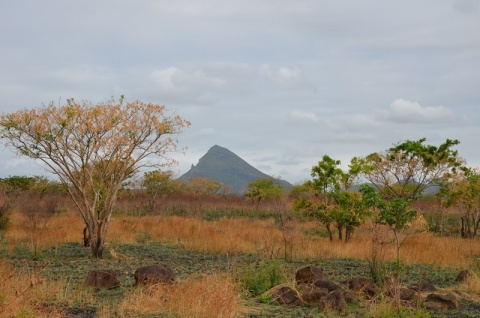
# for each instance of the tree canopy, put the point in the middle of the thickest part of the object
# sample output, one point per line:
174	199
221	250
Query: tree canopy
93	148
408	168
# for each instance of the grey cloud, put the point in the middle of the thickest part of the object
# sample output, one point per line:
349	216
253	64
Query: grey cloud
402	111
279	83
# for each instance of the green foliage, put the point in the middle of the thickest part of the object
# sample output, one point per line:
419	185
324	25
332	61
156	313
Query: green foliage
156	184
464	193
19	183
259	277
200	186
395	213
263	189
408	168
335	203
326	175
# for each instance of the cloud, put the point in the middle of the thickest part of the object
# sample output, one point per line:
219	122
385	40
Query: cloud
281	76
184	86
467	6
301	116
405	111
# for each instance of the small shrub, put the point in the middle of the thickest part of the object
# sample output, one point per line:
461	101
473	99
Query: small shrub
258	278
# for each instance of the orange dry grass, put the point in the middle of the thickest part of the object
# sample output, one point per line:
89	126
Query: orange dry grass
197	297
26	295
444	251
242	235
52	232
264	237
226	235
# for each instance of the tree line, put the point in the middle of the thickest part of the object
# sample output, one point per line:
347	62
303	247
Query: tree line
94	149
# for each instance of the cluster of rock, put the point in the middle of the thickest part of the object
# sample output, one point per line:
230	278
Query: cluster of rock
313	288
108	279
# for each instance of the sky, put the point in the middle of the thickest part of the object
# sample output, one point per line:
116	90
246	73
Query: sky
279	83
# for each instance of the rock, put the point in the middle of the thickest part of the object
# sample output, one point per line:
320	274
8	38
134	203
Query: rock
423	287
308	275
405	293
363	285
335	301
154	274
464	275
106	279
448	300
286	295
325	283
313	295
350	297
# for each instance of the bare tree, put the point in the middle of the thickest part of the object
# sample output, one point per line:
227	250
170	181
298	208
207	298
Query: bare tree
94	148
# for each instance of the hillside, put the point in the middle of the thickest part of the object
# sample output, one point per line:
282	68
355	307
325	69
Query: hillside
223	166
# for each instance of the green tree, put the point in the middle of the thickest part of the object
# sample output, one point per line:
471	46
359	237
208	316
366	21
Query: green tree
93	149
335	203
263	189
395	213
349	212
408	168
156	184
463	192
201	186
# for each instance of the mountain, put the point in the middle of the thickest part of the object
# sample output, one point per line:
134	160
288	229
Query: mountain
223	166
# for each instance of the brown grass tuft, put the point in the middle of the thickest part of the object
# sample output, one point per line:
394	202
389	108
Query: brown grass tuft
197	297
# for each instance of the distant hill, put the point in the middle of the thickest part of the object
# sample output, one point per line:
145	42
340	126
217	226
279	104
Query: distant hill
223	166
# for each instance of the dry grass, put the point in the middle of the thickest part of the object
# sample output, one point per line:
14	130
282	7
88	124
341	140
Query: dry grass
471	286
263	237
28	295
49	233
197	297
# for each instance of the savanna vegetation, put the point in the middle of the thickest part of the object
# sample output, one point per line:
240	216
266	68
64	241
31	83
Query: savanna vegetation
401	217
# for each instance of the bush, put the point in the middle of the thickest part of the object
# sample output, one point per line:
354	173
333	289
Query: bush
5	209
259	277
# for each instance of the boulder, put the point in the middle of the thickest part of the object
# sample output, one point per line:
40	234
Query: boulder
286	295
334	301
313	295
106	279
308	274
325	283
363	285
350	297
447	300
464	275
154	274
405	293
423	287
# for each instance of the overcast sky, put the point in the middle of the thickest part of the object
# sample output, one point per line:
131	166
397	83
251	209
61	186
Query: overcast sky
280	83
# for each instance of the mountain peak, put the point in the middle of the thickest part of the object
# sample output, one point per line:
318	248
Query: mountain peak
225	167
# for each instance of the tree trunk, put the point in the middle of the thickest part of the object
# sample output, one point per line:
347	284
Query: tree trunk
98	231
86	237
340	232
348	233
329	230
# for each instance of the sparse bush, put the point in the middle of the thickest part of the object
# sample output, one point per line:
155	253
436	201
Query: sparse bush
259	277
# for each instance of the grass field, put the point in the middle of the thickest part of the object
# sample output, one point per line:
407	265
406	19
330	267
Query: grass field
43	266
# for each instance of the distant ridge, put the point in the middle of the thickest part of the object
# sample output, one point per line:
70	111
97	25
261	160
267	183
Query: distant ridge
225	167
